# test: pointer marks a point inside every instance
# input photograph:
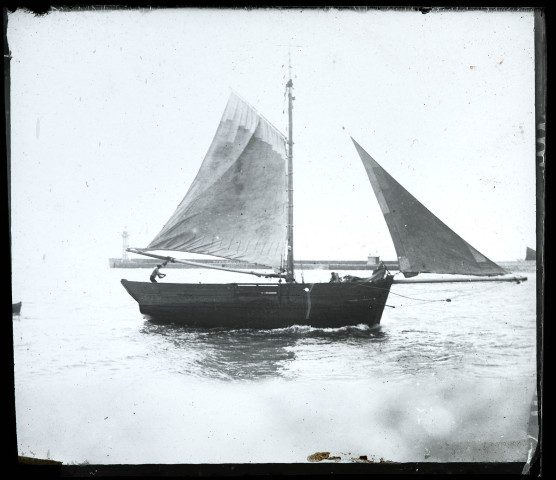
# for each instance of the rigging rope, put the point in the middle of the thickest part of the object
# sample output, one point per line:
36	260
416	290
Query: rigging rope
428	300
424	300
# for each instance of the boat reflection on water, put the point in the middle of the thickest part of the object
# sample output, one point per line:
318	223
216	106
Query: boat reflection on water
250	354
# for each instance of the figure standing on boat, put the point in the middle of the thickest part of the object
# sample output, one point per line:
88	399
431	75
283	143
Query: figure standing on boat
335	278
156	273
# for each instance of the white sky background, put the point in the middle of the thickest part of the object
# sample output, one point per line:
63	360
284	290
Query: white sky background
113	112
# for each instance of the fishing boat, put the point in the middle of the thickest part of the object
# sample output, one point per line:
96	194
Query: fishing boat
530	255
240	207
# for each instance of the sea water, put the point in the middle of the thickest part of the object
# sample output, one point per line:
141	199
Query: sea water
449	375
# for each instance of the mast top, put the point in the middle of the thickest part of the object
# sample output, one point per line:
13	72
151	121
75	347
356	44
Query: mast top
290	83
290	275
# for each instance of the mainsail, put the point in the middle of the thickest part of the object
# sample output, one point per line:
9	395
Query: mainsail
423	243
530	254
236	207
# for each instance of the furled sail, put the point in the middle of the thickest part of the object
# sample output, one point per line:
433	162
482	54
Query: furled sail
530	254
236	206
423	243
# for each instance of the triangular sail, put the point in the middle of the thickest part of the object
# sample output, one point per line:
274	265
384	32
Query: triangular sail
530	254
423	243
236	206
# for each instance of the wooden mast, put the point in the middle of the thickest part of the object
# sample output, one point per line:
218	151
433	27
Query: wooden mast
289	265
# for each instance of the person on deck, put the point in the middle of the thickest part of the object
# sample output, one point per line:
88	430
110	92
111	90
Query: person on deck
156	273
335	278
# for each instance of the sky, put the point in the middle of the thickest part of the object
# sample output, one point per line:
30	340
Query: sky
112	113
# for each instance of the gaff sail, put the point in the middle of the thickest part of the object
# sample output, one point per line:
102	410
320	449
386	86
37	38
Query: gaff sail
423	243
236	207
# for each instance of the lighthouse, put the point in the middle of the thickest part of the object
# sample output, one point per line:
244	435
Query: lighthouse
125	245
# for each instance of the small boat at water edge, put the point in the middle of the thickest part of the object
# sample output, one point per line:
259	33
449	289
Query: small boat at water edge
16	308
530	255
240	207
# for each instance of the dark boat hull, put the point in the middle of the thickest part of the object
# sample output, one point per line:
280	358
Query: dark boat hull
16	308
251	305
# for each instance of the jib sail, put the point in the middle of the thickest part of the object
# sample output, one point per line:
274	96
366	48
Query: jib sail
423	243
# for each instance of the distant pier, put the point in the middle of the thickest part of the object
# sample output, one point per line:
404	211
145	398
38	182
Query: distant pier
371	264
299	264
